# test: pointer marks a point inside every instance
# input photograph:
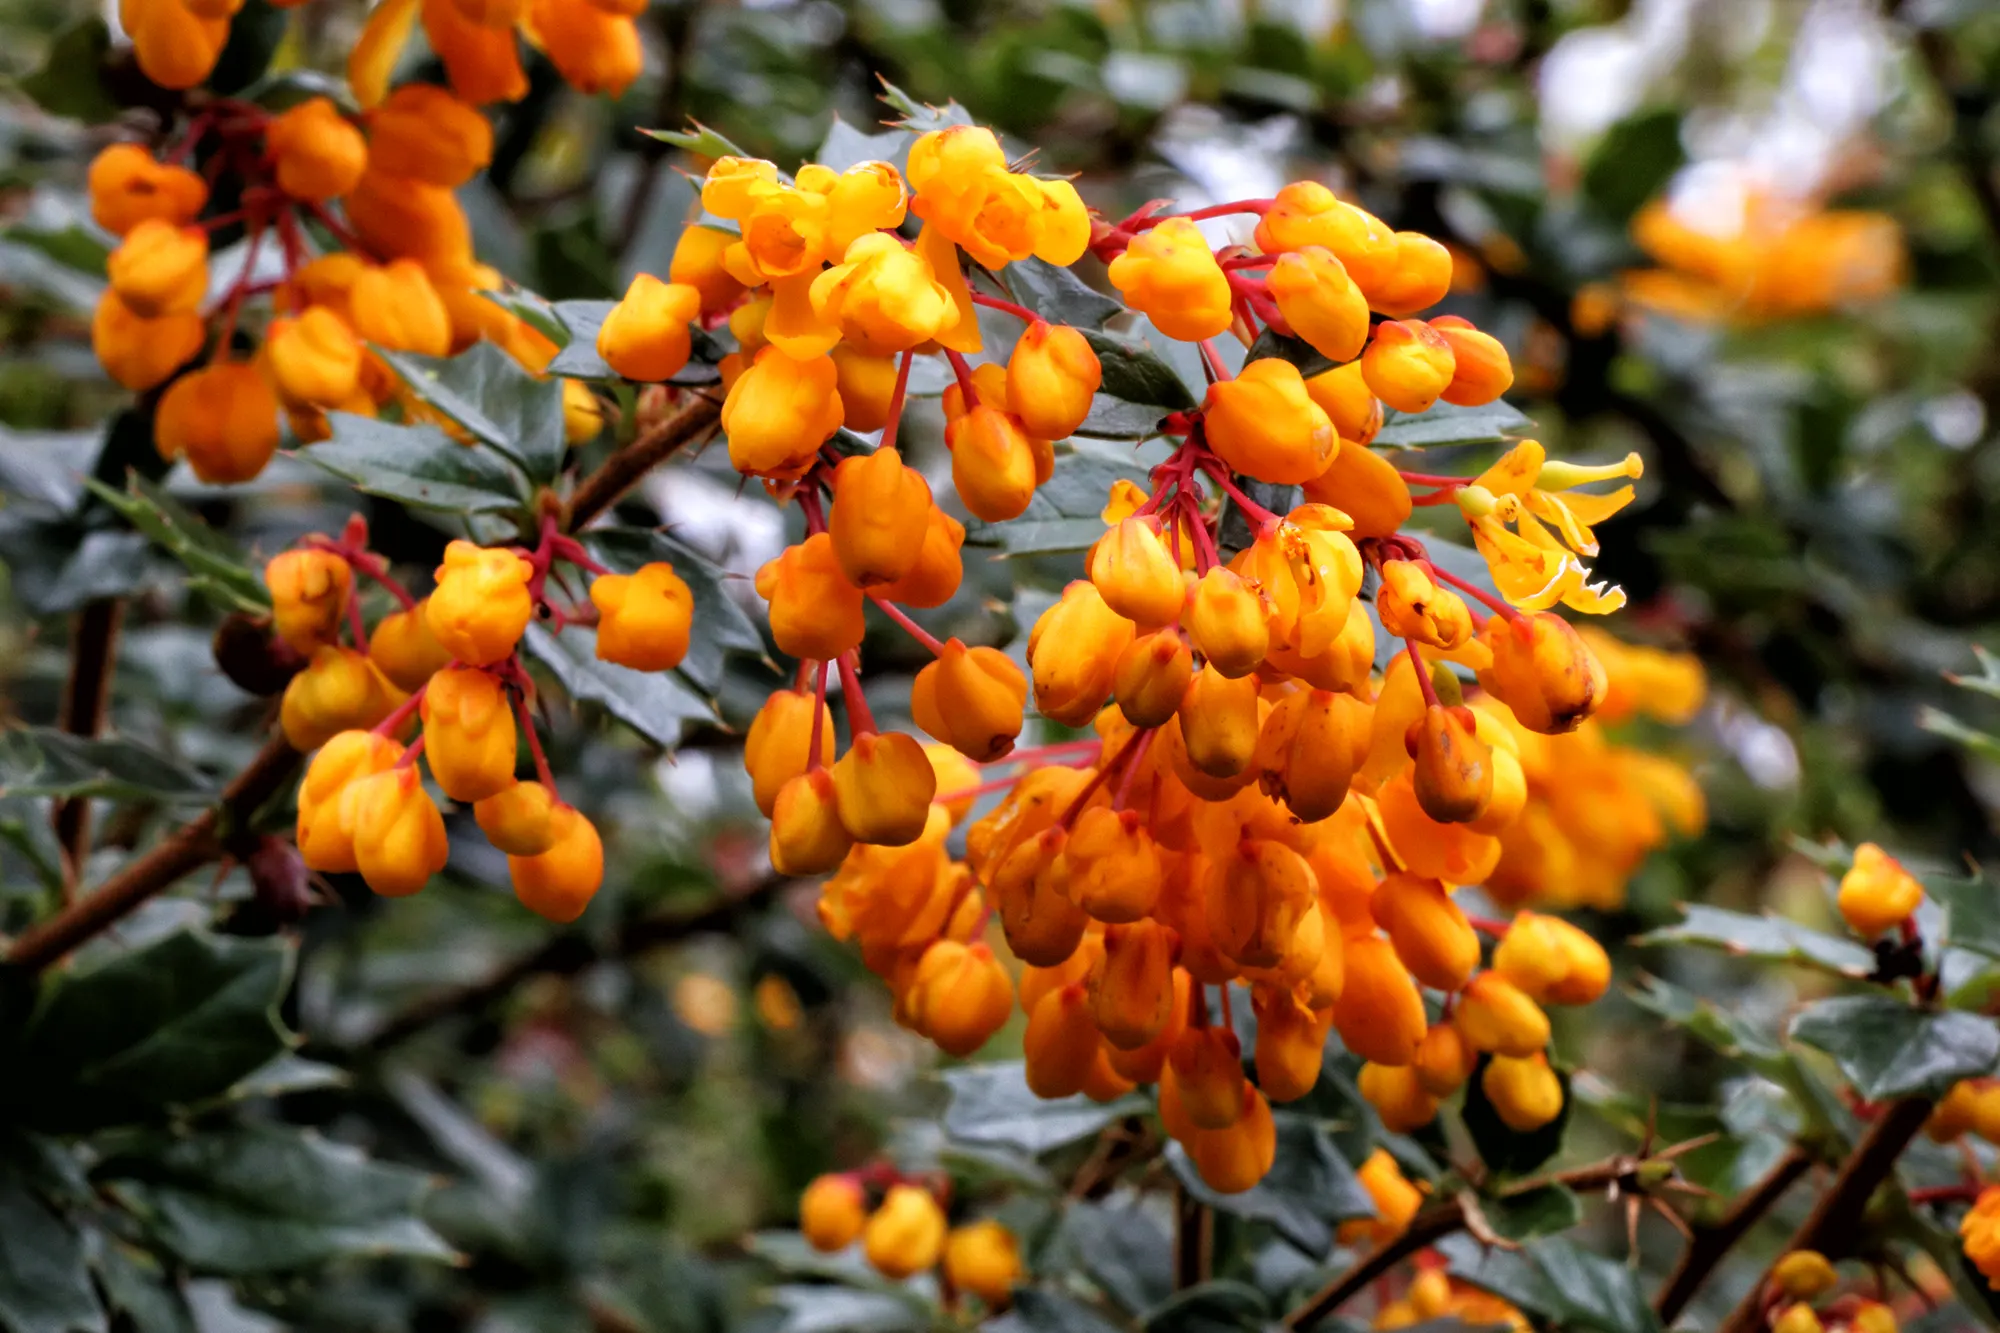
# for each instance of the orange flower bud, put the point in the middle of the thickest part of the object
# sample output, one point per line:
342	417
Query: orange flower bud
594	51
1380	1013
424	133
519	820
779	412
1481	370
1876	893
1543	671
1430	934
867	387
1343	394
1218	723
882	297
1398	1095
1229	623
1169	274
906	1234
779	741
309	591
1412	606
1051	377
410	220
326	815
142	353
1232	1160
939	569
1257	896
881	509
223	418
1804	1274
176	46
559	883
1136	575
733	185
884	785
160	269
697	263
643	617
1306	213
645	336
1365	486
832	1212
1453	774
963	996
1132	988
1445	1060
1110	867
405	649
1042	925
314	150
1152	677
1524	1091
475	40
1408	364
815	612
1073	654
1206	1065
1494	1015
340	690
1291	1044
481	604
399	838
396	306
807	837
1320	302
972	700
1419	276
1552	961
1265	424
1308	750
129	186
314	360
993	466
1061	1044
984	1259
1396	1202
469	737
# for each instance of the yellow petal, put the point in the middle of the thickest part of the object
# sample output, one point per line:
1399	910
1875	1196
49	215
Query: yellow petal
793	326
1594	599
1551	509
374	56
1590	510
938	251
1514	471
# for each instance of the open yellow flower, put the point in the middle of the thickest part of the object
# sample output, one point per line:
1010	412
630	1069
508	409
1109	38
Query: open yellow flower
1536	564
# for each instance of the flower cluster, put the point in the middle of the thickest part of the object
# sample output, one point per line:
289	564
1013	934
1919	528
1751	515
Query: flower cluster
1804	1297
449	665
905	1232
1434	1295
392	269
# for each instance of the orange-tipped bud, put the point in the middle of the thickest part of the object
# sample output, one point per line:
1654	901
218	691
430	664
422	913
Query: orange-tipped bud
1418	278
1543	671
406	649
1804	1275
884	784
882	298
1264	423
644	618
1524	1091
559	883
1308	749
1152	677
315	151
1398	1096
399	838
993	464
423	132
594	49
939	569
1453	773
1110	867
1343	394
1257	897
176	46
481	605
469	736
340	690
1233	1160
1380	1013
160	269
906	1234
1206	1064
129	186
1169	274
867	387
734	184
881	509
779	741
1320	302
315	359
972	699
1396	1202
807	837
309	592
1291	1045
779	412
1061	1044
984	1259
326	813
1136	574
1481	370
1444	1060
1412	606
815	612
697	263
645	336
1229	623
520	820
963	996
1366	487
395	306
1132	988
1042	925
1408	364
832	1211
141	353
1218	723
1876	893
1051	378
1552	961
1430	934
1306	213
223	419
1496	1015
1073	654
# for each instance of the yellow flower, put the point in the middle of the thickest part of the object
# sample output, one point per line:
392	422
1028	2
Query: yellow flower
1536	565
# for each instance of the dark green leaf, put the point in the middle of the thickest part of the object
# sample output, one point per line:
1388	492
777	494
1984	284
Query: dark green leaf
1309	1190
1059	295
1136	373
920	118
42	761
1503	1149
1212	1307
1445	424
1888	1048
418	465
136	1289
1124	1249
656	704
1115	419
1737	1038
1537	1212
1507	1274
44	1281
848	146
71	246
1598	1293
71	79
699	140
1771	938
722	625
1064	514
991	1103
1038	1311
254	33
269	1199
496	400
1633	162
819	1309
1295	350
172	1024
220	569
1971	911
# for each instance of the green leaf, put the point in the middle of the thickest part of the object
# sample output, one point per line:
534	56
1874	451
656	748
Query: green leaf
255	31
1736	1038
1115	419
1295	350
1971	911
271	1199
219	568
991	1103
1136	373
821	1309
1212	1307
653	703
722	625
1064	514
70	246
1987	682
172	1024
1124	1249
135	1288
1039	1311
1508	1274
847	146
44	1282
1633	162
1500	1147
1058	295
1940	723
1888	1048
418	465
71	79
1596	1292
1770	938
700	140
1543	1211
919	118
1310	1187
42	761
1445	424
496	400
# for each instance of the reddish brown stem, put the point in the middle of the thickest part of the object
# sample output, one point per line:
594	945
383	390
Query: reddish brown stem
911	627
1424	682
995	303
814	758
896	399
860	721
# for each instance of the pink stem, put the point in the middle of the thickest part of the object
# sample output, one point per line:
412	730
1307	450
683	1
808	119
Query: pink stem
995	303
860	721
1488	598
813	757
896	401
1423	671
389	725
1250	507
915	631
1212	359
543	772
961	368
1140	744
409	756
1257	206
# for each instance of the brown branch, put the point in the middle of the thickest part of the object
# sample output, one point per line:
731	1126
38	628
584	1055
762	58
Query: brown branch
693	421
568	954
1836	1218
203	839
1710	1244
93	655
1434	1224
1194	1240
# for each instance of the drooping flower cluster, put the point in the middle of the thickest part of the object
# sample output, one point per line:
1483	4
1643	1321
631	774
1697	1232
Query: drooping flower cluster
392	269
448	666
1804	1296
905	1232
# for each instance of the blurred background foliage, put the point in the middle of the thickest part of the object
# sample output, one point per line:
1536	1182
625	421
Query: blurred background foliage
615	1110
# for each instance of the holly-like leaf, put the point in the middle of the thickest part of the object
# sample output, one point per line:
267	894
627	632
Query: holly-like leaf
698	139
495	400
1039	1311
1115	419
1633	162
1445	424
847	145
1058	295
71	79
1064	514
1501	1147
823	1309
418	465
1770	938
1136	373
44	1280
136	1289
1124	1248
1309	1190
1889	1048
1596	1292
920	118
175	1023
991	1103
219	568
43	761
1211	1307
1735	1037
656	704
1544	1211
1971	911
1298	351
722	625
271	1199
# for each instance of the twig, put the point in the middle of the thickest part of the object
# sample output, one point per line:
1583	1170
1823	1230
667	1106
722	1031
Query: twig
205	838
1194	1240
1710	1244
93	657
695	420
